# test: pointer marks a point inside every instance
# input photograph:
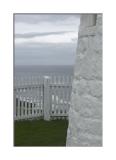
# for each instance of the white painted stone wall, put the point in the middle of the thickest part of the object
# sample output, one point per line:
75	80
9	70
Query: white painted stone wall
85	116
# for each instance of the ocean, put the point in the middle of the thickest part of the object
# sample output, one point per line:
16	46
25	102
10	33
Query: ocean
26	72
22	71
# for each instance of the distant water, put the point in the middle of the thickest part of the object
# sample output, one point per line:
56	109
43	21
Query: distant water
23	71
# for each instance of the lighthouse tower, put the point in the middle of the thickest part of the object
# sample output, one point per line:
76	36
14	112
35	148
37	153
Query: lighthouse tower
85	114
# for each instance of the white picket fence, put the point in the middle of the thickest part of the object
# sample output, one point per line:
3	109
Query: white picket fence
42	97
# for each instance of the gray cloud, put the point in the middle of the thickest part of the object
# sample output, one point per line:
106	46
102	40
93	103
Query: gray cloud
41	25
50	54
38	18
30	35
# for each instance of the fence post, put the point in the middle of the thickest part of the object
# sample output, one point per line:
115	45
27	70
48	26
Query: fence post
46	98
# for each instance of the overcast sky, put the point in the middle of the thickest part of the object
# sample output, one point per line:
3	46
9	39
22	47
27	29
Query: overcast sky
46	39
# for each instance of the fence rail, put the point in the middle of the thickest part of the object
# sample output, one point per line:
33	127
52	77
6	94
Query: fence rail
48	98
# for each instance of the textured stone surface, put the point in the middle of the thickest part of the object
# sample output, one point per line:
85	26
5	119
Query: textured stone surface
85	115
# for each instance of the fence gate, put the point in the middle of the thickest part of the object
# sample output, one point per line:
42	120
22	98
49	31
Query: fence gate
47	99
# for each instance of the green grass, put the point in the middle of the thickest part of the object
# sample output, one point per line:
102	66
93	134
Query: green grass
40	133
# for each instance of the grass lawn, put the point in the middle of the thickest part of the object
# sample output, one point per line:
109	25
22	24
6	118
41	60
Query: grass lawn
40	133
